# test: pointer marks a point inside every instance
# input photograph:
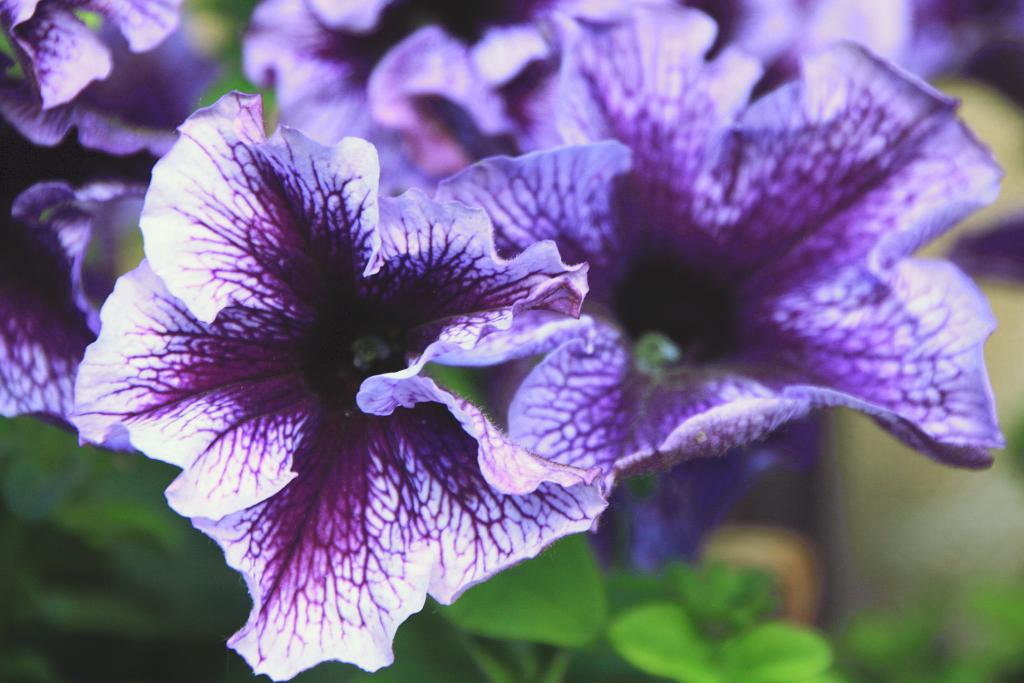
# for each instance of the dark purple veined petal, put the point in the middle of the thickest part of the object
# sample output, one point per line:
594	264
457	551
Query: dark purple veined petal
827	159
588	405
995	254
439	260
855	161
645	83
565	194
234	218
319	75
48	318
906	348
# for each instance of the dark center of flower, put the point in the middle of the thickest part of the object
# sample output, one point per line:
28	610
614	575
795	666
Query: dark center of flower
466	19
675	312
348	342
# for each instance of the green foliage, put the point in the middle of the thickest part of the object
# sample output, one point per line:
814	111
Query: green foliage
723	599
661	639
978	639
776	653
715	631
557	598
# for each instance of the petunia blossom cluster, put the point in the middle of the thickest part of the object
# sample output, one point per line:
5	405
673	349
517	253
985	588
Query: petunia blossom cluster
593	192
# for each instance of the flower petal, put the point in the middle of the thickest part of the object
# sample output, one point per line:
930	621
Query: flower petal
563	195
433	66
223	401
855	161
13	12
341	556
144	23
438	261
319	75
48	317
358	16
144	99
234	218
586	405
645	83
44	328
63	53
907	349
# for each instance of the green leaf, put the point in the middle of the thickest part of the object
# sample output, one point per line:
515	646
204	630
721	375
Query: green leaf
660	639
777	653
723	599
428	650
879	642
627	589
39	466
557	598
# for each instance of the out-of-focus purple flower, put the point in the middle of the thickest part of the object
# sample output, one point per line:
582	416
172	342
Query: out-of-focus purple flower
928	37
447	82
995	254
749	263
124	85
671	521
48	312
271	346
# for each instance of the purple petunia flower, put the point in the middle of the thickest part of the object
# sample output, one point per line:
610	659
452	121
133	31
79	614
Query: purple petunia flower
119	83
996	254
273	347
749	263
928	37
446	82
48	289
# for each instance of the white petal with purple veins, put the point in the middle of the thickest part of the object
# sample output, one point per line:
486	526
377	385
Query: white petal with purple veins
234	218
339	558
219	400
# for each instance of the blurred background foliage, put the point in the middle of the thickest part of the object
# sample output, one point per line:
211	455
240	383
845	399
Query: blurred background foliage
897	570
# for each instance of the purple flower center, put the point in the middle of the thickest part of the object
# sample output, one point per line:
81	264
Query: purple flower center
693	310
466	19
35	261
349	341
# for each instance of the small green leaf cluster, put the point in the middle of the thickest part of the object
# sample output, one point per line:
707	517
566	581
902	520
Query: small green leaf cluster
978	638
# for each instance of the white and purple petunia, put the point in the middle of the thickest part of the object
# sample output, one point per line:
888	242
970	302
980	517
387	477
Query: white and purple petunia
748	262
48	288
437	83
117	80
272	346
